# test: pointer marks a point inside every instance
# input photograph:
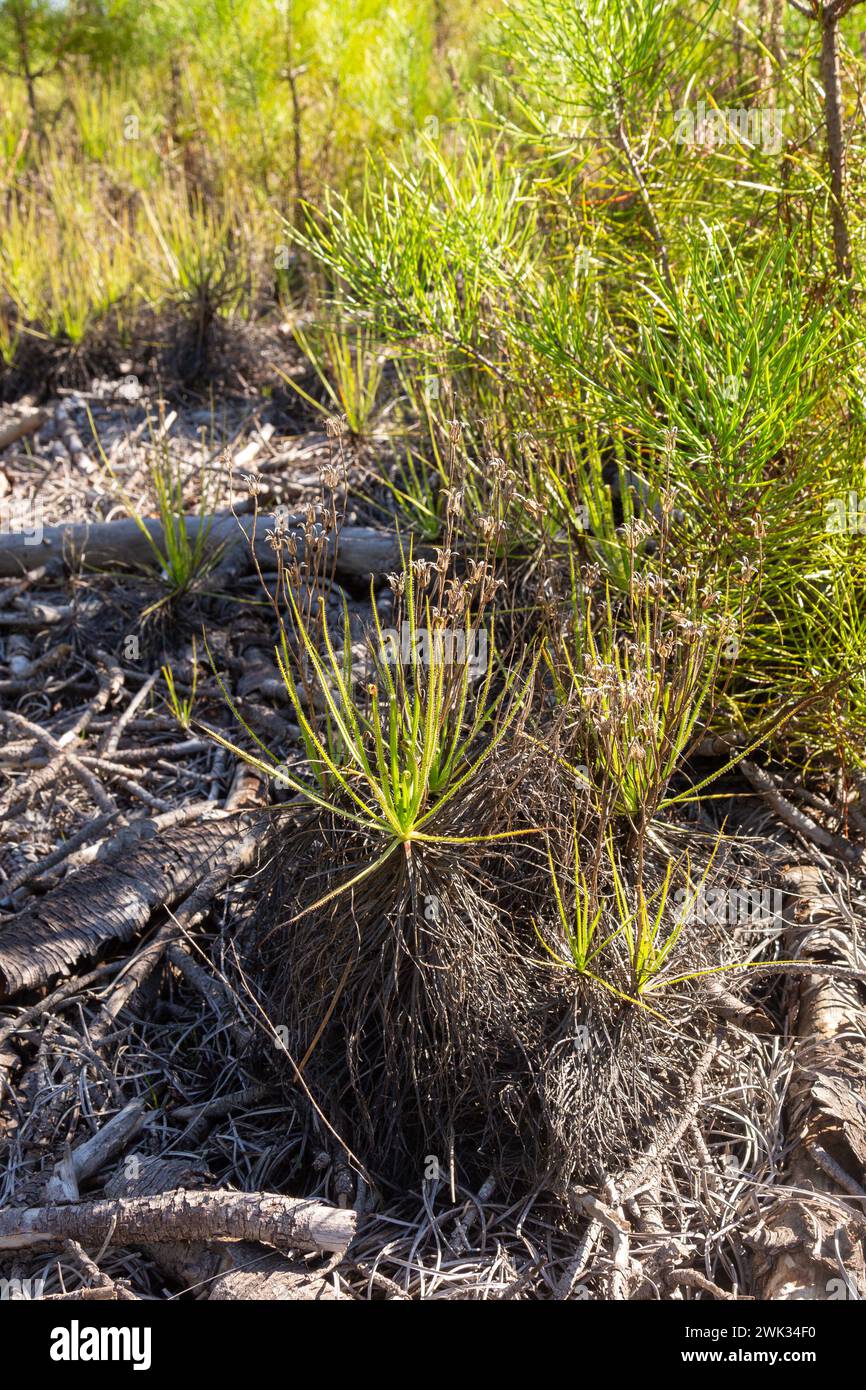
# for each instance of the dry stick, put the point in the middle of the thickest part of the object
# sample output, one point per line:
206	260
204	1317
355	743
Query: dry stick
634	1179
156	751
98	1293
140	828
693	1279
91	831
221	1105
68	990
288	1223
577	1265
155	803
111	738
835	1170
64	755
101	1286
201	1115
603	1217
123	777
34	759
210	987
29	424
72	441
15	590
88	1157
798	820
110	682
750	1017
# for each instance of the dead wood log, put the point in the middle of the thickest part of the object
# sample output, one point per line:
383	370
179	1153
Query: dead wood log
812	1247
102	903
287	1223
221	1271
361	550
18	429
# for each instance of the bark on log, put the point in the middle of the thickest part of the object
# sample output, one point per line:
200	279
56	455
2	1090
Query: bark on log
101	903
226	1271
361	551
287	1223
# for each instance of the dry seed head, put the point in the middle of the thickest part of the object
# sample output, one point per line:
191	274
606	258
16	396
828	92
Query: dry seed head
491	529
422	570
534	508
636	531
454	500
489	588
457	597
476	571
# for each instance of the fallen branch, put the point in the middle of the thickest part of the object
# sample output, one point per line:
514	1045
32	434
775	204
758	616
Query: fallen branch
287	1223
360	550
763	782
219	1270
28	424
87	1158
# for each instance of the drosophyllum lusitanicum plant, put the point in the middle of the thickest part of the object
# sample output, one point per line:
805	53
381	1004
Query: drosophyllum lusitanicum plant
389	753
